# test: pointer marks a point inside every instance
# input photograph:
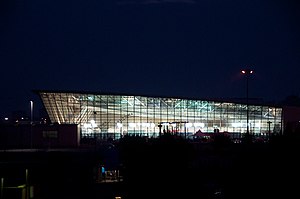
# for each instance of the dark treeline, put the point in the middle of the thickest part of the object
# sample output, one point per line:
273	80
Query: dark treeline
165	167
155	167
173	167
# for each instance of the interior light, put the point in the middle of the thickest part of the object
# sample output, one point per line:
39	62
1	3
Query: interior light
145	124
188	125
237	124
119	125
131	125
86	125
199	125
93	123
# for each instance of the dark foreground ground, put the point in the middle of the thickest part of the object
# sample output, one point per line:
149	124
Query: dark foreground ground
163	168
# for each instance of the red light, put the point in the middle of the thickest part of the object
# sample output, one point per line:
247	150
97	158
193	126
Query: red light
243	71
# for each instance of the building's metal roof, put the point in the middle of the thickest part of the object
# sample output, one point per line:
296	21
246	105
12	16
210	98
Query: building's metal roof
251	101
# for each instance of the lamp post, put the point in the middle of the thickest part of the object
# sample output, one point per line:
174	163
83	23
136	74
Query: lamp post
247	73
269	129
31	122
31	112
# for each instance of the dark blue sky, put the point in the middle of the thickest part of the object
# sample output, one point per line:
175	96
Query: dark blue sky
184	48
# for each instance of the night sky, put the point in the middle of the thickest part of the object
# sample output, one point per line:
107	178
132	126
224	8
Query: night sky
176	48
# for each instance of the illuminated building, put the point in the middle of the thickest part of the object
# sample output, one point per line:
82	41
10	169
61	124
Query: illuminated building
115	115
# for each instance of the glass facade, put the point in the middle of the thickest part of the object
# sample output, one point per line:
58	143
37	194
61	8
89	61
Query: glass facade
106	115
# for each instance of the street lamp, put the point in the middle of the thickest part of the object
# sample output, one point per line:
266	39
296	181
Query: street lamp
31	112
247	73
31	122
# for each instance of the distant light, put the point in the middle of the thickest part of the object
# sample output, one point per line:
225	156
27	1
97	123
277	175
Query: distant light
247	71
6	118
